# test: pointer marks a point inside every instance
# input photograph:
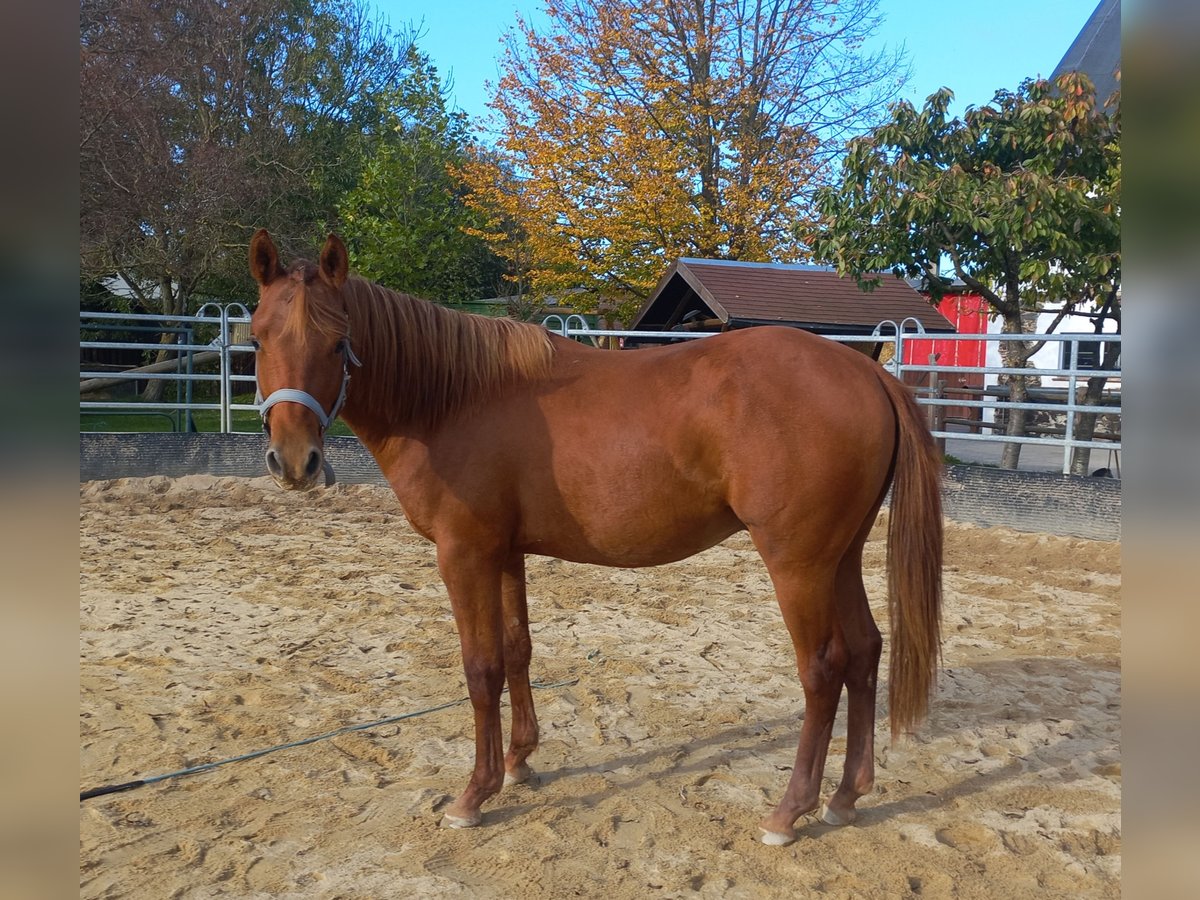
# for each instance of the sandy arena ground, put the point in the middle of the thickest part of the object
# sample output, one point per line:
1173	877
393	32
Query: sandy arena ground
220	616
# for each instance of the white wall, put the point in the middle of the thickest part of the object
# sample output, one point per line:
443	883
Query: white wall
1048	356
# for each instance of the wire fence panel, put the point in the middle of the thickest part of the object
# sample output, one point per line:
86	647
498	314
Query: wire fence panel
177	347
989	401
1054	412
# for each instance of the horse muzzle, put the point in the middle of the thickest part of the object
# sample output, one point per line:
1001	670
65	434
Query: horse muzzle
297	469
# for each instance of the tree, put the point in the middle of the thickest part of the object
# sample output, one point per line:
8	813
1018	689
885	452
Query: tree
633	133
202	120
1022	197
405	222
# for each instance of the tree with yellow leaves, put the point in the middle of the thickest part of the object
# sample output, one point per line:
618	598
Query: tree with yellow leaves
634	133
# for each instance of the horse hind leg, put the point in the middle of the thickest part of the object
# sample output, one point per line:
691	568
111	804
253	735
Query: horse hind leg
518	651
863	646
806	597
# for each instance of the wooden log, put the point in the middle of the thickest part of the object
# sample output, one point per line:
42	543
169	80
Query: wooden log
92	385
700	325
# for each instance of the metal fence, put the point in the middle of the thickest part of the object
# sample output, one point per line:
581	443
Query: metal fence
988	402
218	334
181	357
1057	403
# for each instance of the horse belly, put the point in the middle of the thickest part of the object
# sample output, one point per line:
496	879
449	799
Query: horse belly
636	515
632	541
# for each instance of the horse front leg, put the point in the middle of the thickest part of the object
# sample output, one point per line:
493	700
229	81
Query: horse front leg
518	650
473	582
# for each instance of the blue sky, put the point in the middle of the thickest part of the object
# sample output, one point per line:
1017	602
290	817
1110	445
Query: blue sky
972	48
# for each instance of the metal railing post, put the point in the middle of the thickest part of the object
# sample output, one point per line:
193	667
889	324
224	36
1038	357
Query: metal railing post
181	338
226	384
243	312
897	347
189	392
1069	427
227	356
222	359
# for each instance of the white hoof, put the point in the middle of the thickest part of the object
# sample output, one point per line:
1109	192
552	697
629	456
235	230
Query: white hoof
829	817
521	777
775	838
449	821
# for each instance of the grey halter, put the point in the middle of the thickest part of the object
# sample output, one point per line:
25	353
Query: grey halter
293	395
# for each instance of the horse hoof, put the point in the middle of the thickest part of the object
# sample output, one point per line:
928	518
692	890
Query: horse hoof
449	821
520	776
833	817
776	839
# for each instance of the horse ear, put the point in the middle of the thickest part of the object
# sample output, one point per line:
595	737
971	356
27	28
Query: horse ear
335	263
264	258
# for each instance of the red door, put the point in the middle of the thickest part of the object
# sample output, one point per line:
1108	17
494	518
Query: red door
968	314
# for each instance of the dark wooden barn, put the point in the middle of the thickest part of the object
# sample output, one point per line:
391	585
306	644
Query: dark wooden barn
718	295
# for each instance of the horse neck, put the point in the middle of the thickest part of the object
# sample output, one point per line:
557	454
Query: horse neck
423	363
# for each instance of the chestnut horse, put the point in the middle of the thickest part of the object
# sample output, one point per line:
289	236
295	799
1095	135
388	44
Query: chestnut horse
501	439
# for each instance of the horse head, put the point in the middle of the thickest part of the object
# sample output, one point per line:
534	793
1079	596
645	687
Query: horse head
302	355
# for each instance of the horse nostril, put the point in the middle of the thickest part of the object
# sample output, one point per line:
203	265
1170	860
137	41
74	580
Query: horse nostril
273	464
313	465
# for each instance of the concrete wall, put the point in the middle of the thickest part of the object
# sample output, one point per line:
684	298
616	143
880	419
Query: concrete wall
104	456
1024	501
1070	505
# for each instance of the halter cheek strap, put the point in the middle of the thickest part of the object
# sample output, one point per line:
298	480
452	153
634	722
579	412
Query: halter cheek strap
293	395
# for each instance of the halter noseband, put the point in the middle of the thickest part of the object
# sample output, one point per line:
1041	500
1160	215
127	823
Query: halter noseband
293	395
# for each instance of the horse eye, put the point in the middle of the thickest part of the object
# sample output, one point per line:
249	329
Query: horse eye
254	343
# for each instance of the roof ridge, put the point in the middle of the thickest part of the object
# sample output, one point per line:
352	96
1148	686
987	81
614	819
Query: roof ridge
798	267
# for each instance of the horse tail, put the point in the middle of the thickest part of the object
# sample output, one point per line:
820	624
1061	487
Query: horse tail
914	562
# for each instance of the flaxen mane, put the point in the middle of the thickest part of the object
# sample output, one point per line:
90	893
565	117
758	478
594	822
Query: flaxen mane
423	362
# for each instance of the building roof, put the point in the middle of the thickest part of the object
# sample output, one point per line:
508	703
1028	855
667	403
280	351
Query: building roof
1096	50
814	298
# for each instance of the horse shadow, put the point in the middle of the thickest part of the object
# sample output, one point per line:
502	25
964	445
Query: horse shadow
1008	680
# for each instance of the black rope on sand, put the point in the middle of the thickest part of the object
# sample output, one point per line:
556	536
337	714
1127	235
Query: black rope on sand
205	767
